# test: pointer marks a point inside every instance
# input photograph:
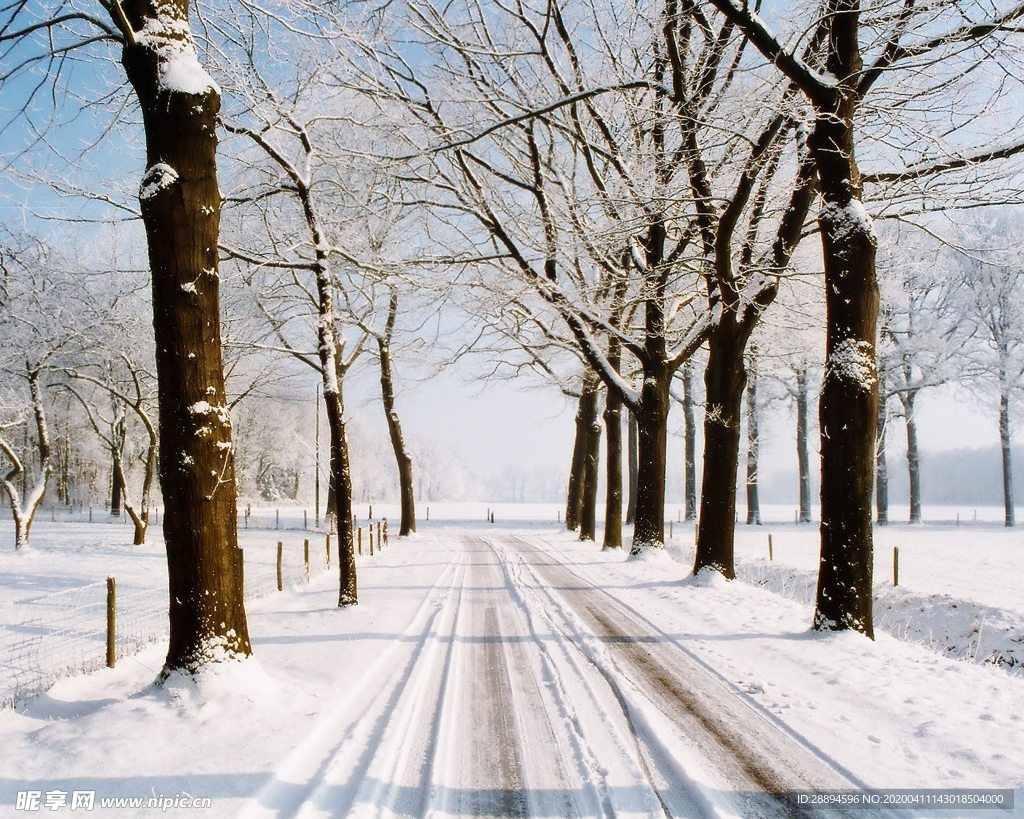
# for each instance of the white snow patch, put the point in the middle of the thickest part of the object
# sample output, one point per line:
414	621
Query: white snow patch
847	220
179	69
158	177
853	361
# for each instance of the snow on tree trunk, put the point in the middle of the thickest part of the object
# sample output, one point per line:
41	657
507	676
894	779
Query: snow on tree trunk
180	204
25	503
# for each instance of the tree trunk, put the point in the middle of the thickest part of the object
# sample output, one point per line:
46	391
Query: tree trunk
588	496
803	457
689	445
613	447
848	407
724	380
613	473
341	476
881	469
632	443
180	205
913	456
402	457
1004	441
753	445
117	480
652	438
586	417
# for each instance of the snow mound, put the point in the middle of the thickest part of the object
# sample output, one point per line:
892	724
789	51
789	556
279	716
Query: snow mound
649	553
221	686
707	578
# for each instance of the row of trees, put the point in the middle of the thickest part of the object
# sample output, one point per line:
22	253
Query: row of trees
613	187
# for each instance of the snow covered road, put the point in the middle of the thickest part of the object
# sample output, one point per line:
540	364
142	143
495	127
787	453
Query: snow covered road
521	689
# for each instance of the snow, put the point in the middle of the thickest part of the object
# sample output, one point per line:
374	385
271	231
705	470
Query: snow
474	677
158	177
180	71
853	361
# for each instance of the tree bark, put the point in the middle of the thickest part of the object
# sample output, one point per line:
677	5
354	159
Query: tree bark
652	438
848	407
724	380
632	443
180	205
689	445
881	469
588	496
753	445
613	447
802	450
913	455
1004	441
586	417
402	457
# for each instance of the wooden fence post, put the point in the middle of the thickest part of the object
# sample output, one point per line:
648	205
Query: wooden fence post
111	622
895	565
369	531
386	531
280	576
305	518
359	541
380	540
770	555
305	557
277	518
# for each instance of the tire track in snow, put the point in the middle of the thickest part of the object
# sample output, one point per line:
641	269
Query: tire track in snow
748	750
347	737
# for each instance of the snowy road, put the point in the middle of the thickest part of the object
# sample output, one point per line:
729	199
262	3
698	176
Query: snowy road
521	689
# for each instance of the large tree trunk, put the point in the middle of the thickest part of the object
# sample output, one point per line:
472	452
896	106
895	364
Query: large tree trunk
1004	441
341	477
586	417
613	473
724	380
803	457
753	446
848	407
402	457
689	445
881	469
652	429
588	497
180	205
632	461
913	455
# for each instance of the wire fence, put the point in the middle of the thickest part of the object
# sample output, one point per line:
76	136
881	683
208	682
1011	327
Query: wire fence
64	633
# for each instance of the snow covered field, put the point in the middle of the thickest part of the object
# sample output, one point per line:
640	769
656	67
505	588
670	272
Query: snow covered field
506	669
